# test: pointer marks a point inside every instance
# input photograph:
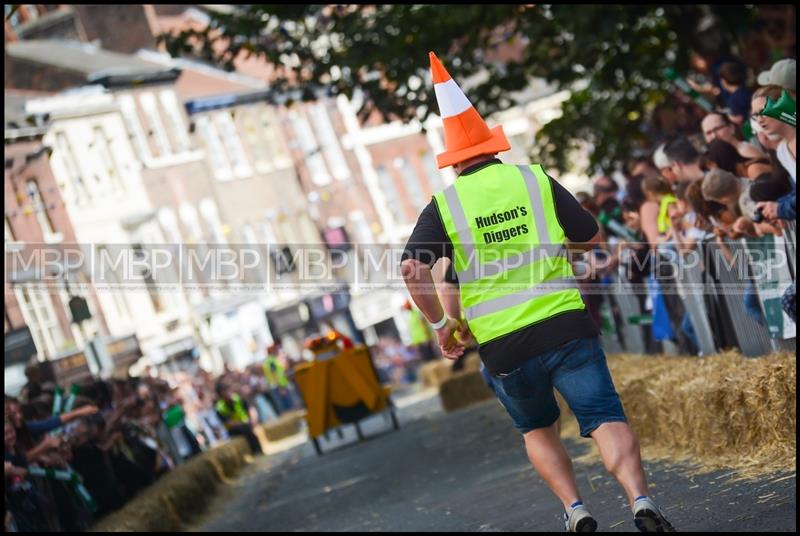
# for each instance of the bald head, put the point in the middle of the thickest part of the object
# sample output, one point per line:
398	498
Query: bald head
716	126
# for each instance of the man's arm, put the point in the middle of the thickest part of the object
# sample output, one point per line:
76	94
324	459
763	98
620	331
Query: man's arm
419	281
580	227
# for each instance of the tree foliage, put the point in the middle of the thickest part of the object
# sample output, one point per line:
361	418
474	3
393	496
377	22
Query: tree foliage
612	57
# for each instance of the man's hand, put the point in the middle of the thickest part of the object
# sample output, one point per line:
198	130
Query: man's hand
769	209
464	334
450	346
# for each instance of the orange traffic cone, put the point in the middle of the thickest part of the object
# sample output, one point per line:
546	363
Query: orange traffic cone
466	135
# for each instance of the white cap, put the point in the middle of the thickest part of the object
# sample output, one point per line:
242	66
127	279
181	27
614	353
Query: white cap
782	73
660	158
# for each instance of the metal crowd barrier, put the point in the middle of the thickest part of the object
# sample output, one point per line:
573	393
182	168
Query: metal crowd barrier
692	289
733	279
714	281
632	317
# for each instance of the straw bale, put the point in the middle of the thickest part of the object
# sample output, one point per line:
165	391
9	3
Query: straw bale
175	499
435	372
462	389
288	424
714	412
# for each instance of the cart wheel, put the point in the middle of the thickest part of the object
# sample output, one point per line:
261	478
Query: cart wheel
358	432
395	424
317	448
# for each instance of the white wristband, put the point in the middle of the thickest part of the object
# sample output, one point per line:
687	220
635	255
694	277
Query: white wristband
441	323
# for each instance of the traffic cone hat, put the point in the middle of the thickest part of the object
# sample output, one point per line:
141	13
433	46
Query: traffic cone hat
466	134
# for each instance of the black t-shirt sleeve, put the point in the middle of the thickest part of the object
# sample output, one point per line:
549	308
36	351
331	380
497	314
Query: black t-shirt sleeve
428	241
578	224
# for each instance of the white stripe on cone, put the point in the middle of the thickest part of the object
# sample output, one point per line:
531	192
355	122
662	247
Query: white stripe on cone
452	100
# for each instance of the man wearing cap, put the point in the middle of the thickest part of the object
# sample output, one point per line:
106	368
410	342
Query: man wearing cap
504	229
783	73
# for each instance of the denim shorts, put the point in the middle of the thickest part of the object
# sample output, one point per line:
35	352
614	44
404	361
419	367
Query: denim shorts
578	370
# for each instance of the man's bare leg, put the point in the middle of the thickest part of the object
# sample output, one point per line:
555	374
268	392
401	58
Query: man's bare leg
550	459
619	449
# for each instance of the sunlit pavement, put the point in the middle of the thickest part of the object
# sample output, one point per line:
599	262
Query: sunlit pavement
468	471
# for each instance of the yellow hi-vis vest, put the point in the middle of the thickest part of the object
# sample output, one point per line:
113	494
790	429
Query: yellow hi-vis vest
508	249
237	412
276	378
417	327
664	223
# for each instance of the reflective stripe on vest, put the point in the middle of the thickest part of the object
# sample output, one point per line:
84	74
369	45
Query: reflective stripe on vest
664	224
508	249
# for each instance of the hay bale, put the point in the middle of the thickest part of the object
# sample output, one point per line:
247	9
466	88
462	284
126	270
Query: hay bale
719	411
287	425
179	496
463	389
428	374
434	373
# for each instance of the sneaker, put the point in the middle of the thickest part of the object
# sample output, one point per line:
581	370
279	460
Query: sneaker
579	520
648	517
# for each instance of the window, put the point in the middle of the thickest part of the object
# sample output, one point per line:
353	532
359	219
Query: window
37	311
411	182
248	235
327	137
114	287
131	118
390	191
432	170
150	107
106	160
273	138
150	234
146	274
258	144
190	221
170	103
198	248
169	223
308	229
311	151
233	144
213	145
39	209
265	138
76	185
211	216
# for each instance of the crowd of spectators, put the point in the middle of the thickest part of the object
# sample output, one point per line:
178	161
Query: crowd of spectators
729	181
73	457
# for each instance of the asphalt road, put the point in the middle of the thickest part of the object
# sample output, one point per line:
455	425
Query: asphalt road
467	471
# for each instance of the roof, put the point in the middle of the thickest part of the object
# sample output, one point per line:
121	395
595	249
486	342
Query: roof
14	111
83	58
15	121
